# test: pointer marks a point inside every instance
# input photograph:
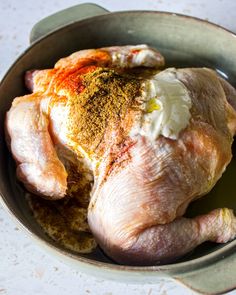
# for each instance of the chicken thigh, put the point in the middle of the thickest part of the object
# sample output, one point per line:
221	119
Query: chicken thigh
152	140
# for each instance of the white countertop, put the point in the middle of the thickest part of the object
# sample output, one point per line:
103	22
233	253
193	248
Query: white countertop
24	268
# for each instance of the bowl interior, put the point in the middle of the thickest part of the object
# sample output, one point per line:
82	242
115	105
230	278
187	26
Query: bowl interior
184	42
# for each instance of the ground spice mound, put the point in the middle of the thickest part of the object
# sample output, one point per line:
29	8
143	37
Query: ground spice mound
105	97
64	221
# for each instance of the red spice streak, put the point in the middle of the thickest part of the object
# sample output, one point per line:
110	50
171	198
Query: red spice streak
132	53
122	156
135	51
71	78
73	81
81	88
125	149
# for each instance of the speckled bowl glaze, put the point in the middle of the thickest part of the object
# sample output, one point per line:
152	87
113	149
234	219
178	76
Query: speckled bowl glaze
184	41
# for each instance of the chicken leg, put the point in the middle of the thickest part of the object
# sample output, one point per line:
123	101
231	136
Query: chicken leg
165	243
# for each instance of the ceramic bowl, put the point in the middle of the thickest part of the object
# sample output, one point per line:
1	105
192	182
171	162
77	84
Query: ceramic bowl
184	41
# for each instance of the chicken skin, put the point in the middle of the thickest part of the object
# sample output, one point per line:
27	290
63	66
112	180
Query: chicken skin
152	141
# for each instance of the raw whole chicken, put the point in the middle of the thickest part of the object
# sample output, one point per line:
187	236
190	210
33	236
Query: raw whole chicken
151	140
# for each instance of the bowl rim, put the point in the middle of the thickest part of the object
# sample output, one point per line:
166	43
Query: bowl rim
173	268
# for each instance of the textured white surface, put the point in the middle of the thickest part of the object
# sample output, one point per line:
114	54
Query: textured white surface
24	268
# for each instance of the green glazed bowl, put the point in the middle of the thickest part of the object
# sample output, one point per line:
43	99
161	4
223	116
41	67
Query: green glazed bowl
184	41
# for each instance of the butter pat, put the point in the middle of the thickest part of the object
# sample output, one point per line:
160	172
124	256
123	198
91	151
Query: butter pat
167	107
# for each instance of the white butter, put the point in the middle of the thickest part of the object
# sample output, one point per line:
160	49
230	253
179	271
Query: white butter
167	107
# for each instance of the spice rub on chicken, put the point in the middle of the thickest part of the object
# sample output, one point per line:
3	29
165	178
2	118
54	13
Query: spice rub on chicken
148	141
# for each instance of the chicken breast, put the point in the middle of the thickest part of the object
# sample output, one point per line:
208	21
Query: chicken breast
153	142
